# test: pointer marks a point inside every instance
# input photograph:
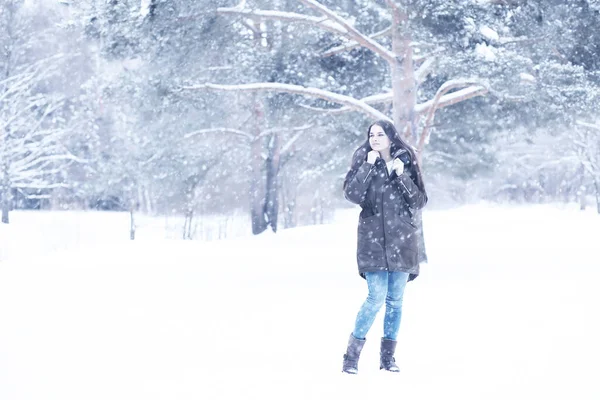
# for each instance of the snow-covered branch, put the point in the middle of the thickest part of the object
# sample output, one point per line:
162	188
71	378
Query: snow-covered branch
288	145
39	185
589	148
331	22
451	98
374	99
424	69
286	17
18	114
393	6
475	89
272	130
353	44
219	130
444	101
18	82
50	108
351	102
20	166
27	176
425	57
352	32
588	125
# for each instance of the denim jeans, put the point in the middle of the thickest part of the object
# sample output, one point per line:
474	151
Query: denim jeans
385	287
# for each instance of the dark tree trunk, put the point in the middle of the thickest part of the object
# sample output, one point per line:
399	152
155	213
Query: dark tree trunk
6	197
191	186
187	225
597	185
272	166
5	206
257	186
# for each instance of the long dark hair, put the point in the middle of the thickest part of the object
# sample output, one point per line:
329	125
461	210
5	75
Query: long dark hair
397	144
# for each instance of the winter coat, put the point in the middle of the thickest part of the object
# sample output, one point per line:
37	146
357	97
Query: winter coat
388	233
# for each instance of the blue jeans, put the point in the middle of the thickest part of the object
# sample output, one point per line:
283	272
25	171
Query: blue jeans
385	287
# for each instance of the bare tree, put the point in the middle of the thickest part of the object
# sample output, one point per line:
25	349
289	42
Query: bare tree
406	70
405	77
32	153
587	144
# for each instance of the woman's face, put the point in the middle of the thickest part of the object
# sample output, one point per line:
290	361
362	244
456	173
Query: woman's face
378	139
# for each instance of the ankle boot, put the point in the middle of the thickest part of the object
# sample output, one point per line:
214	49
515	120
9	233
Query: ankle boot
352	355
387	360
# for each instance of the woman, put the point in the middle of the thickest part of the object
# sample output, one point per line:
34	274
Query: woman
385	180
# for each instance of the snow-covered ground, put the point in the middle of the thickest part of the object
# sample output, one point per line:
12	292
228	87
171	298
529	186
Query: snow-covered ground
507	308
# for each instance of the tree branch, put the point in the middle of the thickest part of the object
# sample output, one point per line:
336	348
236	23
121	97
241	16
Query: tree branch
588	125
219	130
39	185
295	89
424	69
393	6
272	130
352	32
452	98
28	165
287	146
374	99
353	44
425	57
287	17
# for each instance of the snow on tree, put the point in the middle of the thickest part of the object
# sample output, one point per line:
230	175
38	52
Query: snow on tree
402	67
33	154
196	107
587	147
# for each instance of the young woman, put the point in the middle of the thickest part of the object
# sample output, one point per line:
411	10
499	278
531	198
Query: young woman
385	180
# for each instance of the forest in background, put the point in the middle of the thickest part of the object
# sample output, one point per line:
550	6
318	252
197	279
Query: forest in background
210	107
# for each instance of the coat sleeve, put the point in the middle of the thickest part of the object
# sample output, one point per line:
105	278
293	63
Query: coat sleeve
356	187
415	198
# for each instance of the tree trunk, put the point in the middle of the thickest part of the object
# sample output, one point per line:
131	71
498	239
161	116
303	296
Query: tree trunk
148	200
191	187
597	185
131	225
581	192
187	225
257	186
288	198
6	194
272	166
5	205
403	78
317	209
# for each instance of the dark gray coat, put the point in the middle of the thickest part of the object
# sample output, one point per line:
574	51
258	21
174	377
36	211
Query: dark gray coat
388	233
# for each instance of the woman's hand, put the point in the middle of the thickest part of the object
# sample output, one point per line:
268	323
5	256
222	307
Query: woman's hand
398	166
372	156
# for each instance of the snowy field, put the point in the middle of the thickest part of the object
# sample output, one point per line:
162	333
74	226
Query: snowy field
507	308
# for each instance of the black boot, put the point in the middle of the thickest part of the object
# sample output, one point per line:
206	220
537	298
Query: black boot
386	356
352	355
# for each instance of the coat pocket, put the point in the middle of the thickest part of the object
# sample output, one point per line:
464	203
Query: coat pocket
370	239
407	222
406	232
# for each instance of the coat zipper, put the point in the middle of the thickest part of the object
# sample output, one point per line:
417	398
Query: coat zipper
370	170
409	193
383	218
